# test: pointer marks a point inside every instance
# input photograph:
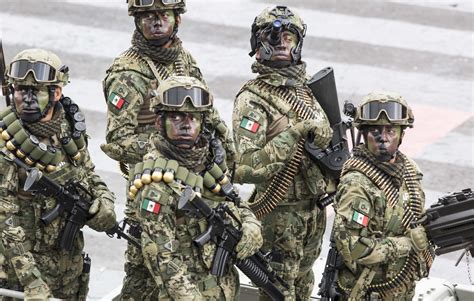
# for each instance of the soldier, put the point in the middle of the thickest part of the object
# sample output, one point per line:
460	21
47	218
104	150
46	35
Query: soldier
131	81
273	115
44	129
184	155
379	195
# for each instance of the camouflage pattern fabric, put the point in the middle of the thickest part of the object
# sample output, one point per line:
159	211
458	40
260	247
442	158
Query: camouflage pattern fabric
29	248
264	133
369	233
177	269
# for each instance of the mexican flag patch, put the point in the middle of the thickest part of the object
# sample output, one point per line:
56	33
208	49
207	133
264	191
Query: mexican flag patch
116	100
249	125
151	206
360	218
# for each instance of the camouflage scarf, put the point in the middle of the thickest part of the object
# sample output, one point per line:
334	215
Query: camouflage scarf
394	170
192	159
157	54
49	128
295	72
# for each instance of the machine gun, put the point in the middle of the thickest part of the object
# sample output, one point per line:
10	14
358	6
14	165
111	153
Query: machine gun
226	237
331	159
69	202
449	223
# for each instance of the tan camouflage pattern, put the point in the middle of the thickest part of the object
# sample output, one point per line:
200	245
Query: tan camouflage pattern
29	248
292	229
381	246
129	129
178	270
270	14
39	55
178	5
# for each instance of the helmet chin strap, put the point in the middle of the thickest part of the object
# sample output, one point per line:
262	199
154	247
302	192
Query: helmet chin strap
42	114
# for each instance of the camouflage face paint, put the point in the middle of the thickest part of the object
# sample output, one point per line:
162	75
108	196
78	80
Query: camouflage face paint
30	102
156	25
383	141
182	129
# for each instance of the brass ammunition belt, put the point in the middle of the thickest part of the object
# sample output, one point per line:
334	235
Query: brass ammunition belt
281	182
408	272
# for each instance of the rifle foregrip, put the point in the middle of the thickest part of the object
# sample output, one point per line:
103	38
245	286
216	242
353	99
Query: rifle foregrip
50	216
260	278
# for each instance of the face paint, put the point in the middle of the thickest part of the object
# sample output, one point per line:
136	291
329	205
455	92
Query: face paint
157	25
182	129
383	141
31	102
280	52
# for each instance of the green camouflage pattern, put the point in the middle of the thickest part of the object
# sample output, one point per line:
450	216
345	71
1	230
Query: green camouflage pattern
39	55
382	245
29	249
270	14
129	129
177	269
178	5
294	229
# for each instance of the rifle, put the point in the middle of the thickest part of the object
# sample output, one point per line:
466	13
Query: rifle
69	202
119	230
449	223
328	289
226	237
3	70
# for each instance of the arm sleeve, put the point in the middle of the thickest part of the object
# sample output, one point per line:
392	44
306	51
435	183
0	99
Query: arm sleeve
125	92
98	187
356	197
159	244
13	244
250	123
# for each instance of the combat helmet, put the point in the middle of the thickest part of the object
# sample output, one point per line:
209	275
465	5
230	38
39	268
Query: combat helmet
33	67
383	108
136	6
182	94
270	23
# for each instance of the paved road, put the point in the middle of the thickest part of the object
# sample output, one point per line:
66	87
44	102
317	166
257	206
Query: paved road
421	49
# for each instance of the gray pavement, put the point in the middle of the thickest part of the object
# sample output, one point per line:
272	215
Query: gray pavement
421	49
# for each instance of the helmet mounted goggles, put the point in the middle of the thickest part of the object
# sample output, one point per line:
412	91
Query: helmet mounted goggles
149	3
394	111
177	96
43	72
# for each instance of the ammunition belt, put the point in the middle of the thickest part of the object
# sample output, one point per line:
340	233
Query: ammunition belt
281	182
30	150
169	171
409	269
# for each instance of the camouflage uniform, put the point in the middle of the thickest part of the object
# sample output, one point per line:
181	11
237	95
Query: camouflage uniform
266	132
130	83
177	268
368	226
30	256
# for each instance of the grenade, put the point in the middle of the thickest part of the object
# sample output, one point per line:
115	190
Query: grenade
210	183
191	179
78	138
158	167
217	173
38	152
137	175
170	171
132	190
27	147
17	140
146	175
71	148
46	158
181	174
11	130
198	188
7	120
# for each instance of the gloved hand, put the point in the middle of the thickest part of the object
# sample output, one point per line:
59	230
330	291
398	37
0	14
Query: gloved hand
37	290
251	240
322	134
103	215
246	174
419	240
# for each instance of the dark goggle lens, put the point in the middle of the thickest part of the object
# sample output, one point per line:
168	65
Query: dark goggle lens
176	97
170	2
394	110
43	72
144	3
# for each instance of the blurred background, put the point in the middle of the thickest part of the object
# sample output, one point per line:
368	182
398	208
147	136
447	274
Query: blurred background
420	49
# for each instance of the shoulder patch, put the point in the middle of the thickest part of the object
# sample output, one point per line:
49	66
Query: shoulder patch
360	218
117	101
249	125
150	206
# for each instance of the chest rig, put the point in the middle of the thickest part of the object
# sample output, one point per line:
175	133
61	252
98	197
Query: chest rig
28	148
408	272
300	103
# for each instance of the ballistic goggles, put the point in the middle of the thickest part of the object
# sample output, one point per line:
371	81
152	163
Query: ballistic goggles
177	96
43	72
148	3
395	111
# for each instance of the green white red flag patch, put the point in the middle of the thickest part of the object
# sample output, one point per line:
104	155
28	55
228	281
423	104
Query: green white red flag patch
116	100
151	206
249	125
360	218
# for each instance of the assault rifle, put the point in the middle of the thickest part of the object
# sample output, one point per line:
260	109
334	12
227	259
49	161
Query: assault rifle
3	81
69	201
226	237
